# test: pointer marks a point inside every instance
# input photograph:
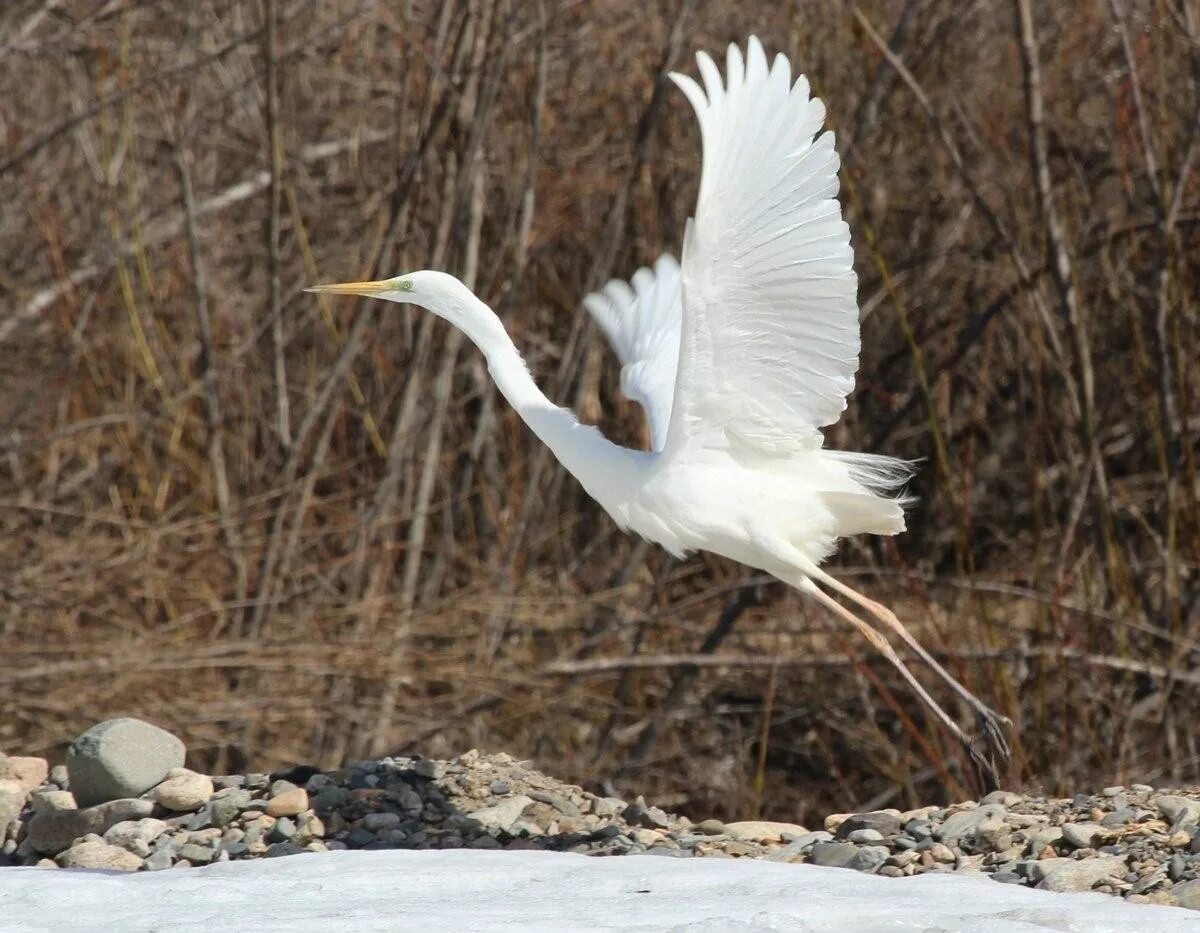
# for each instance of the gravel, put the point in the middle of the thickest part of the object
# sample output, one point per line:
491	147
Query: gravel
1134	842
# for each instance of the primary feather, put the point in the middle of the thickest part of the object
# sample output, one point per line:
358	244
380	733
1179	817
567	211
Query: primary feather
770	313
642	324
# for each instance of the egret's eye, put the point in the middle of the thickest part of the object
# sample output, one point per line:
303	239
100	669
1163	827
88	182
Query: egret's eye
405	285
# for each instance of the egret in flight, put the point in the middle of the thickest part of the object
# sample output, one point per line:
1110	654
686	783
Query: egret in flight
739	355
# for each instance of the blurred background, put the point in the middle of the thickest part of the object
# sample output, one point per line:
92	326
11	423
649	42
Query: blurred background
307	531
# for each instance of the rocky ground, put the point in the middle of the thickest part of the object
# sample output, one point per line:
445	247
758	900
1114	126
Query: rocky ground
123	800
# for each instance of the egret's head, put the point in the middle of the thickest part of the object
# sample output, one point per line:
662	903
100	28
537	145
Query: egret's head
439	292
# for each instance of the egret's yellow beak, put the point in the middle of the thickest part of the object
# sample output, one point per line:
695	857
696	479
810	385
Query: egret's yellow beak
355	288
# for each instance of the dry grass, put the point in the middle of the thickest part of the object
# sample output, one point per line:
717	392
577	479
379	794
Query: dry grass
299	531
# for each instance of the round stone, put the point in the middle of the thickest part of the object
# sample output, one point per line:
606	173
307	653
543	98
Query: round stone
288	803
184	790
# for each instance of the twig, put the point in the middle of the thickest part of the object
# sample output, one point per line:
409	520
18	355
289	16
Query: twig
274	209
598	667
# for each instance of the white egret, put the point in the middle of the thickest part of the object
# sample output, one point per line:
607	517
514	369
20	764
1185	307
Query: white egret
739	356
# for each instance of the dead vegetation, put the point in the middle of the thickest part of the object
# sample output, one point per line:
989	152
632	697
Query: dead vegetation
295	530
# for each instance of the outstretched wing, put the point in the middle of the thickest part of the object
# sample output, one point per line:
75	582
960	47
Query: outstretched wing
770	334
642	324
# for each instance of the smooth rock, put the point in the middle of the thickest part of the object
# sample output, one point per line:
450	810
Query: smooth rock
1082	874
1188	894
763	830
711	827
833	854
967	825
1082	835
288	803
135	835
1044	836
94	853
501	816
607	806
834	820
1003	797
120	758
330	798
28	772
869	858
647	837
224	809
162	857
865	837
1117	818
47	801
885	822
429	769
281	849
184	791
12	800
1178	809
799	846
640	812
561	804
197	854
283	830
377	822
942	853
52	831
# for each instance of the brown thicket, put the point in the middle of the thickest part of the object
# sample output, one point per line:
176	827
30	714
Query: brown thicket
302	530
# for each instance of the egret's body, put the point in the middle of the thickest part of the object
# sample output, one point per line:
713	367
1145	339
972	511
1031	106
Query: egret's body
739	355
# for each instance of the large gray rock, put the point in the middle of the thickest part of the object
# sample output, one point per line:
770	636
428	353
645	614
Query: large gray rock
51	831
121	758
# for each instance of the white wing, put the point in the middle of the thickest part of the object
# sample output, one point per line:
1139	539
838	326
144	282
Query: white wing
770	333
642	324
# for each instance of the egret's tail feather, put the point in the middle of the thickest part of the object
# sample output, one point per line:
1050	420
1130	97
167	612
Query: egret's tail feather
875	500
879	474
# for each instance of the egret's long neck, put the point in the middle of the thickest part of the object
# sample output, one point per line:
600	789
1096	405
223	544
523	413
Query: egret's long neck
606	470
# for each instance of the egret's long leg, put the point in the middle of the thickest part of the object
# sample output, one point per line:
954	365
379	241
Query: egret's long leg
881	644
984	766
991	719
889	619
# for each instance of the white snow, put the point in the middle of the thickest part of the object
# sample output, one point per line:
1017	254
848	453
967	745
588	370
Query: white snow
481	891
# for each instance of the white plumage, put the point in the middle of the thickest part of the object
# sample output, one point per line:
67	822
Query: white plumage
739	357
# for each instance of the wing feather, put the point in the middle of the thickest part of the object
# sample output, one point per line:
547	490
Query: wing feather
769	339
641	321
